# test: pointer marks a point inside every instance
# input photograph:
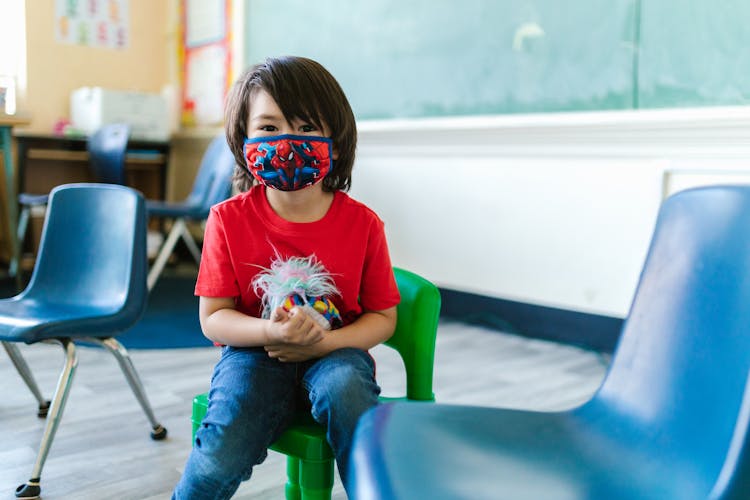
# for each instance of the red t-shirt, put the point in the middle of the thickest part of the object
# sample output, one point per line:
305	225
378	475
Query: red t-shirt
243	235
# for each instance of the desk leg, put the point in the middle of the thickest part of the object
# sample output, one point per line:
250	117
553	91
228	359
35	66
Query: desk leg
11	202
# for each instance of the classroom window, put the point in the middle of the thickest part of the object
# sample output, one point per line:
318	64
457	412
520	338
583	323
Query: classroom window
13	58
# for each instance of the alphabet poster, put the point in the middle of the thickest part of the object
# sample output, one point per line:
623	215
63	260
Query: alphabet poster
93	23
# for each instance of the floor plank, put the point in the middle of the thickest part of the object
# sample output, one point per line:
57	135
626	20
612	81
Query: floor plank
102	449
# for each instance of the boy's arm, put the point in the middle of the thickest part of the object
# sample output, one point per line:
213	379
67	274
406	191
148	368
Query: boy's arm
223	324
370	329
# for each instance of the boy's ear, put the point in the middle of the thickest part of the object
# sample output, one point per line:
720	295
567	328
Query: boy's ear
335	152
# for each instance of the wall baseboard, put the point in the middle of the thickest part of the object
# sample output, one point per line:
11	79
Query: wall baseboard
591	331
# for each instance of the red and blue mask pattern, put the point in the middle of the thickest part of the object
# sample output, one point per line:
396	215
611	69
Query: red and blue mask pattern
288	162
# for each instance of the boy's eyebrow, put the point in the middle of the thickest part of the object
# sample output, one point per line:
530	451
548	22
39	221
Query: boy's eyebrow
264	116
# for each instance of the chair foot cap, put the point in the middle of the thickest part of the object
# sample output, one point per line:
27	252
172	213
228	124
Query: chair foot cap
158	433
29	491
43	409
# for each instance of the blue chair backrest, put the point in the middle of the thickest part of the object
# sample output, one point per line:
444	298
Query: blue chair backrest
213	183
93	250
106	148
679	375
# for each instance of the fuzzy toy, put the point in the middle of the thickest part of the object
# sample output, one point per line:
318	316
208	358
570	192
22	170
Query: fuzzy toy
302	282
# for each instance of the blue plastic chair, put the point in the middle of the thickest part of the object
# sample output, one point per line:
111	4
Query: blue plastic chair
670	420
212	184
106	149
89	283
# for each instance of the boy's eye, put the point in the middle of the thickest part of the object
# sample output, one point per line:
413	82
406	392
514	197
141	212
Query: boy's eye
307	128
268	128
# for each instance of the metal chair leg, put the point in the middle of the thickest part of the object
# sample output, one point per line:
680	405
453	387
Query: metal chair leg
32	489
23	369
126	364
166	250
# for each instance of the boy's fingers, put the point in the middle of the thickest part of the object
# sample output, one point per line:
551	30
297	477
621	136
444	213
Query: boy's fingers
295	316
279	314
301	320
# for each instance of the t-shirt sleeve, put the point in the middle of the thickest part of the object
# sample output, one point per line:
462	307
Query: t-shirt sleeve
216	277
378	290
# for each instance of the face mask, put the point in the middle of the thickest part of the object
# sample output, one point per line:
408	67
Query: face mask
289	162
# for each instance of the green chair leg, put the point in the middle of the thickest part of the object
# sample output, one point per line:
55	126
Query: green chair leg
200	407
315	479
292	490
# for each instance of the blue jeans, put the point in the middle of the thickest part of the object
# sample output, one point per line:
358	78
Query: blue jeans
251	402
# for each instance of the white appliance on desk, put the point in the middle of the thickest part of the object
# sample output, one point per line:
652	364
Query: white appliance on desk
146	113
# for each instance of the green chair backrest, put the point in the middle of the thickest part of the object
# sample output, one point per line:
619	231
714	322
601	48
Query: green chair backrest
414	338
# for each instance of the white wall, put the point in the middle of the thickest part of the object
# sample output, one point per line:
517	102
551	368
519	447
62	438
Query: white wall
549	209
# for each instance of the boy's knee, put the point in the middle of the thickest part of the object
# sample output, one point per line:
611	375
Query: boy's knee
222	456
349	362
351	384
342	379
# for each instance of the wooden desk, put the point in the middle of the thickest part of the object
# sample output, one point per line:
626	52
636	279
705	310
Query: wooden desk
48	161
7	123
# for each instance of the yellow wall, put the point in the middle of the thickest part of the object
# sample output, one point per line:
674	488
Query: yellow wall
148	64
54	69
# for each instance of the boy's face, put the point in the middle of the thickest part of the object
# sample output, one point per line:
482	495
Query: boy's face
285	163
266	119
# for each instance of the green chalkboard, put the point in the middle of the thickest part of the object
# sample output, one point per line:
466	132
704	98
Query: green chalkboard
694	53
407	58
416	58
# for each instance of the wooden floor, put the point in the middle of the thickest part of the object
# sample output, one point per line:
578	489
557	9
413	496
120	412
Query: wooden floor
103	451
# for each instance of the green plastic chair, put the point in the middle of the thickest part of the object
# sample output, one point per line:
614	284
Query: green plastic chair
310	460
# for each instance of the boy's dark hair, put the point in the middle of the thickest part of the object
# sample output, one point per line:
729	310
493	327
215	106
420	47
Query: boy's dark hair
303	89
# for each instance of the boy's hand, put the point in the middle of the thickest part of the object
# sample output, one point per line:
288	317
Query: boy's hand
290	353
293	327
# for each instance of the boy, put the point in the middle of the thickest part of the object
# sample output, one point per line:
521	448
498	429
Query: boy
290	249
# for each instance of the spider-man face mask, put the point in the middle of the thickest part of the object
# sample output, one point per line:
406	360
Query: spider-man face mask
289	162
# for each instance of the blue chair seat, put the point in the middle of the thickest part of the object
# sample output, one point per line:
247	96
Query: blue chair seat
671	419
488	453
32	320
175	209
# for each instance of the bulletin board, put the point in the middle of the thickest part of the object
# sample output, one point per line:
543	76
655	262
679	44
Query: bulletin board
206	60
